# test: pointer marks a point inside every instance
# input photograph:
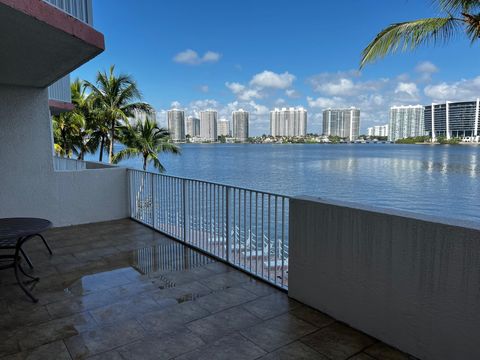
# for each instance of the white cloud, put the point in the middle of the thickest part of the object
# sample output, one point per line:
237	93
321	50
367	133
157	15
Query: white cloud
465	89
291	93
242	92
270	79
191	57
325	102
426	67
340	87
204	88
409	89
175	104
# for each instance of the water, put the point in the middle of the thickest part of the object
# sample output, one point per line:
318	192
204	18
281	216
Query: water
433	180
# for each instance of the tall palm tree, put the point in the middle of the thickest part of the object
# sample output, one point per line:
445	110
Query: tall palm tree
117	98
66	127
460	16
144	138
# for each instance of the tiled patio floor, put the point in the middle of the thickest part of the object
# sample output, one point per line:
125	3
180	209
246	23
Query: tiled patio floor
119	290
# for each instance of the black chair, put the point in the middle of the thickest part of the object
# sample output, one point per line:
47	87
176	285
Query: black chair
11	243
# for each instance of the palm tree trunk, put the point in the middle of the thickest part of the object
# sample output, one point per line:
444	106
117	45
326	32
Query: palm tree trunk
144	163
102	146
112	138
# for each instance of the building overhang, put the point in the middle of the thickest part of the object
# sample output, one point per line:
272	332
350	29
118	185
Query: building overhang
40	43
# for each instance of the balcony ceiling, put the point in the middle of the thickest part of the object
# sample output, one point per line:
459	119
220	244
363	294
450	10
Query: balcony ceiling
40	43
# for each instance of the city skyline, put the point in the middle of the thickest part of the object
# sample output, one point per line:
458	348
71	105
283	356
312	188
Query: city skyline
199	68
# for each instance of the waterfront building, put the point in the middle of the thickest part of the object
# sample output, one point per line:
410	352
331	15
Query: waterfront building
240	119
344	123
288	122
453	120
208	125
378	130
192	126
406	121
176	124
59	95
223	127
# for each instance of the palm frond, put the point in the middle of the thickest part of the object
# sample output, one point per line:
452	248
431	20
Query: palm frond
408	36
123	154
453	6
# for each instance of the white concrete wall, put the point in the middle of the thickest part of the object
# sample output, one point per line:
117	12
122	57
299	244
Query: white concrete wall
29	186
411	281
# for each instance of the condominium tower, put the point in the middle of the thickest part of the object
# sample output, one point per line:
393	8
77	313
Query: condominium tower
344	123
240	124
453	119
208	125
288	122
176	124
223	127
378	130
406	121
192	126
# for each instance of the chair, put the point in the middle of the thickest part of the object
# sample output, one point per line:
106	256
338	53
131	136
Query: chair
11	243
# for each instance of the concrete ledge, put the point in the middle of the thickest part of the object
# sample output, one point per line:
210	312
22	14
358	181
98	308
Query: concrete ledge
43	42
406	279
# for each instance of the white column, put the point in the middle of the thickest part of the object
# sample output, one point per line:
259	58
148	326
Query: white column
448	119
351	125
475	130
433	122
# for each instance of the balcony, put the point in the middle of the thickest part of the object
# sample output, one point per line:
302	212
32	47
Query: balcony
120	290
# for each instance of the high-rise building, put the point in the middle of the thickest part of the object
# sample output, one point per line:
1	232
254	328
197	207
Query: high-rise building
378	130
208	125
453	119
176	124
240	120
344	123
288	122
223	127
192	126
406	121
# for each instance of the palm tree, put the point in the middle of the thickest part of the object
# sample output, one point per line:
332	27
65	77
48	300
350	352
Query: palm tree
460	16
66	127
146	139
116	99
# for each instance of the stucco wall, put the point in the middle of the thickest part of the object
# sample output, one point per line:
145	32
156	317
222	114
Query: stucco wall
28	184
407	280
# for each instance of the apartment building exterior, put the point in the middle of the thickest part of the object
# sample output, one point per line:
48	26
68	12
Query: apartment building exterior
378	130
208	125
406	121
240	120
288	122
59	94
453	120
344	123
223	127
176	124
192	126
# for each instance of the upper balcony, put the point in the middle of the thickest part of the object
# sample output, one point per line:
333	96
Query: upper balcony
44	43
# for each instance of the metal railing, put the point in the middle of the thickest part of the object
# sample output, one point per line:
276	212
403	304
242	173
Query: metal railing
246	228
66	164
79	9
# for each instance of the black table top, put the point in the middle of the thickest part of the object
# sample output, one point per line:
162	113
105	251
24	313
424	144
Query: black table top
19	227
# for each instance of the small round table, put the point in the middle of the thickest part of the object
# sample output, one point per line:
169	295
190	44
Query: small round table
14	232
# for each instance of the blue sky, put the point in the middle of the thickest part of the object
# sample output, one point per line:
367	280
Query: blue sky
262	54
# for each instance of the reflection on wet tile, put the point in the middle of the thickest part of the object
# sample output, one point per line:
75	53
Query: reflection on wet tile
272	305
279	331
215	326
225	299
103	338
338	341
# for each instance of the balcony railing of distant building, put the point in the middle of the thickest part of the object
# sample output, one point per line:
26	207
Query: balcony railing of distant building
79	9
245	228
60	90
